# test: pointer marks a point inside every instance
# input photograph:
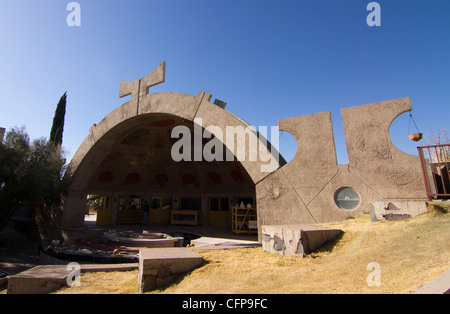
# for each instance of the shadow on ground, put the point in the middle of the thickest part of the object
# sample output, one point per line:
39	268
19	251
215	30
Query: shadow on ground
17	253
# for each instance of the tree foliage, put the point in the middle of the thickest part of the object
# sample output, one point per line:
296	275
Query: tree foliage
441	154
56	132
31	173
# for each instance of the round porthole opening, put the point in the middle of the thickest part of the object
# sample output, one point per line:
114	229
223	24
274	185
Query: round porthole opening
346	198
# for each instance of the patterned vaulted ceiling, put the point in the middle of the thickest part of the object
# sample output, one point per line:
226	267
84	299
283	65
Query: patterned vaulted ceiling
141	162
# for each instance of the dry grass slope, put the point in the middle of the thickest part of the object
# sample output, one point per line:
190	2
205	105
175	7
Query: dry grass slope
410	253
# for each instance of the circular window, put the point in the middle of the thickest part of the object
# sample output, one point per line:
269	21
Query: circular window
347	198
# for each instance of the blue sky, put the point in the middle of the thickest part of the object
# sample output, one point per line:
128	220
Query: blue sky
269	60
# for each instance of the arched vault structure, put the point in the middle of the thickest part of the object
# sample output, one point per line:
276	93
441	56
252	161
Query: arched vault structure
129	152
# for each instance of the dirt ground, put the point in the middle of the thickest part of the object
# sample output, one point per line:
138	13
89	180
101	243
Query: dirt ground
409	254
17	253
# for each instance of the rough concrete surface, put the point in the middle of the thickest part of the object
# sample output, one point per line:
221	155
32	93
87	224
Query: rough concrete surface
296	240
160	266
39	280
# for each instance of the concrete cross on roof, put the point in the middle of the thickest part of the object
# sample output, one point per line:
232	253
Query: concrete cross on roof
139	88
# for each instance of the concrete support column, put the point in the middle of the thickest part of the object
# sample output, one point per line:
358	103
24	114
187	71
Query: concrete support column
74	209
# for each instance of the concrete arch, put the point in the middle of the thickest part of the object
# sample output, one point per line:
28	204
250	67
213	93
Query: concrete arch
301	191
146	109
106	133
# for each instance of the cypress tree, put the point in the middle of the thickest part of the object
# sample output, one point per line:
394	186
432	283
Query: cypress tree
56	133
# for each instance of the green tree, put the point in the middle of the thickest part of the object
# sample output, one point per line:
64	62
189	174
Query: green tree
56	133
32	173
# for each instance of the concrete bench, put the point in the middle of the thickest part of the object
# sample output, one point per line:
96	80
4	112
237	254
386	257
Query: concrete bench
160	266
48	278
295	240
39	280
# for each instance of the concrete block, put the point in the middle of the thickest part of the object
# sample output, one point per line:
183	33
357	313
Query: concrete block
295	240
39	280
159	266
3	283
397	209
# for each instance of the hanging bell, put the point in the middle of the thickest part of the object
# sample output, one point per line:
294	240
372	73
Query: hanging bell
416	137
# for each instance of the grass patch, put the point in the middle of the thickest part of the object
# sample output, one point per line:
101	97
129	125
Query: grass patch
119	282
411	253
438	207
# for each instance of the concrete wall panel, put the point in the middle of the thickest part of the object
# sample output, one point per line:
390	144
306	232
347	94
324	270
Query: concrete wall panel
373	157
279	203
377	171
315	162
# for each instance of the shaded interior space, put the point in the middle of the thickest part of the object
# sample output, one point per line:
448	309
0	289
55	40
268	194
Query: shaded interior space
138	169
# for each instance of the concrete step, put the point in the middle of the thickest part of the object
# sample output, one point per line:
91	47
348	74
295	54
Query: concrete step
160	266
